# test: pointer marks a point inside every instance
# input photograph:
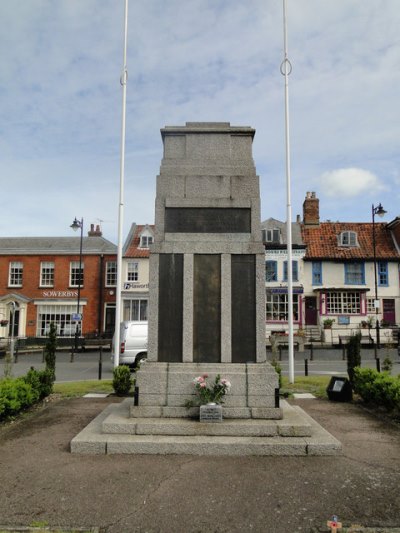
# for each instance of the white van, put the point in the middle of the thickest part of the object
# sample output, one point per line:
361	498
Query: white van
133	339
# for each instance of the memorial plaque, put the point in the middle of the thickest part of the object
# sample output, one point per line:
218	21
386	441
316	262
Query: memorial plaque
207	220
207	308
243	309
211	413
170	308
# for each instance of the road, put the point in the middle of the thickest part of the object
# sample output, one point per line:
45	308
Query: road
86	364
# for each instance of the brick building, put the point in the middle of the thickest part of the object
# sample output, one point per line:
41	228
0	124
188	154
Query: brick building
40	276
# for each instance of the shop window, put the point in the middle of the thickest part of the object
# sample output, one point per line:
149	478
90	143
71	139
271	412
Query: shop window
277	307
136	309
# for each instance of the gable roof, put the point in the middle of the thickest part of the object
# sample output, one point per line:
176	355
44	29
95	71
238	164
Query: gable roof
131	247
273	223
322	242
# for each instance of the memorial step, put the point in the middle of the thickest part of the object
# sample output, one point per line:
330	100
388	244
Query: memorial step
292	425
92	440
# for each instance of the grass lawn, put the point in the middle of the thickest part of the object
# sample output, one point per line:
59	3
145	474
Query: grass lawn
314	384
80	388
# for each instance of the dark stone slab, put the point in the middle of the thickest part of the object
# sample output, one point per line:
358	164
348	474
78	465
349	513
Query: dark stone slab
243	308
170	308
207	220
207	308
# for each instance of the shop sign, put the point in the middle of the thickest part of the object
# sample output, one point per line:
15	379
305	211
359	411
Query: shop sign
60	294
284	290
135	285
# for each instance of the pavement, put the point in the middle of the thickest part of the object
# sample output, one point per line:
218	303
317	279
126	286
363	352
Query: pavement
42	481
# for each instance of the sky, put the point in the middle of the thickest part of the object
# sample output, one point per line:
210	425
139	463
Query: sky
193	61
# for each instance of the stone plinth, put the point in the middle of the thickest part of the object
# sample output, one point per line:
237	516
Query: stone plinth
165	387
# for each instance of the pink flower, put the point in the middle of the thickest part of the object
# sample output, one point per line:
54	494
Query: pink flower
205	376
203	385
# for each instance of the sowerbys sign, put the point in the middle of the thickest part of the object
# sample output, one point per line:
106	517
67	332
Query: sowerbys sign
60	294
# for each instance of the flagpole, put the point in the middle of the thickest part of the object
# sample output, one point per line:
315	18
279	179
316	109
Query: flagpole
286	69
118	299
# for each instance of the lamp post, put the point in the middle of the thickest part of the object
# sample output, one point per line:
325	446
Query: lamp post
78	224
378	210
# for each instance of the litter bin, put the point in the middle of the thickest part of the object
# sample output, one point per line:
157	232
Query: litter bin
339	389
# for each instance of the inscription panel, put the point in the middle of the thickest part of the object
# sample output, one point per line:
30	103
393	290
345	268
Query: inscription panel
207	220
243	308
207	308
170	308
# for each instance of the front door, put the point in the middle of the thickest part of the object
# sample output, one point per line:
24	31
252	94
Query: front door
311	314
14	322
389	314
109	325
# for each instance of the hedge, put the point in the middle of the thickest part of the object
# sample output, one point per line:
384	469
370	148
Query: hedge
381	389
17	394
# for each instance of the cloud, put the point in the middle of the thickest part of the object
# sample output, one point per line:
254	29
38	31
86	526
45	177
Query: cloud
349	182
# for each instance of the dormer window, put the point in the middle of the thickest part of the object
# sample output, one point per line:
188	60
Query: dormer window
272	236
348	238
145	241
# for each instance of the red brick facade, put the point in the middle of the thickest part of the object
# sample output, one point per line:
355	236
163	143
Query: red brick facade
56	299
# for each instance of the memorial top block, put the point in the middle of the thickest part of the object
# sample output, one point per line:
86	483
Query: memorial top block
208	142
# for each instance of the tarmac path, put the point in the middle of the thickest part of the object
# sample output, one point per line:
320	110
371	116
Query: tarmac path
42	481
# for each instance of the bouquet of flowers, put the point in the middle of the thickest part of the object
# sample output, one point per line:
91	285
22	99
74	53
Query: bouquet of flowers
211	392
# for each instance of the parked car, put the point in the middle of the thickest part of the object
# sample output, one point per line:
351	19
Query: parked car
133	341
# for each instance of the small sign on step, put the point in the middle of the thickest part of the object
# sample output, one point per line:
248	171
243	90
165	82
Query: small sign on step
211	413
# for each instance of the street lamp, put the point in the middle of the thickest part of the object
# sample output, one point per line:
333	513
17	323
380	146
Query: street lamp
78	224
378	210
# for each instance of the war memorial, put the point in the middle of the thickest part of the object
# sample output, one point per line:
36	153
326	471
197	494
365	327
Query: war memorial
207	316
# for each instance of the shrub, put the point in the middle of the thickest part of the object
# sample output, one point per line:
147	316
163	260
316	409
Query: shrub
15	395
353	355
378	388
41	382
122	381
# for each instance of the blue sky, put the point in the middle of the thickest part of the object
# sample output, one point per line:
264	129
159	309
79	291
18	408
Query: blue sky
198	60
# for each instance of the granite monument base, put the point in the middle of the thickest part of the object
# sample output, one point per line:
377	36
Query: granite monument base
164	389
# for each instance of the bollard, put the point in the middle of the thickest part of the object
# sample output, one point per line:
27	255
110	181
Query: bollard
100	362
72	355
378	364
306	367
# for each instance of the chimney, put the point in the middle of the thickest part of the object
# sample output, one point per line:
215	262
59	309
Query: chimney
311	210
95	232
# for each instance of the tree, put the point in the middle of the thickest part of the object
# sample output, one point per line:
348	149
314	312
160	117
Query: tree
353	355
50	350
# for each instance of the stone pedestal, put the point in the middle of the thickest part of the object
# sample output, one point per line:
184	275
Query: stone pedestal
165	387
207	276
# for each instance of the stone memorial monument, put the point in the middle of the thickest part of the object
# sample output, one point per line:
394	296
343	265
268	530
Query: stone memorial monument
207	316
207	276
